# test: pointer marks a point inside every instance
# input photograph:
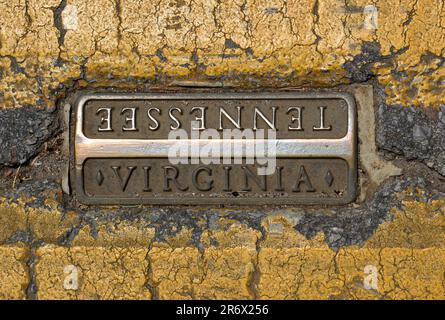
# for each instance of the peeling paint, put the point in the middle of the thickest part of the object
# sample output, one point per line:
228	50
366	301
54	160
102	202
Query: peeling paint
51	48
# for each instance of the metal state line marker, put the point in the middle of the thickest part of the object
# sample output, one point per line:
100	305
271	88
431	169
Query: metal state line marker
121	148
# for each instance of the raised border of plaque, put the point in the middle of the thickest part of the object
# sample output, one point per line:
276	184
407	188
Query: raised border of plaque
336	156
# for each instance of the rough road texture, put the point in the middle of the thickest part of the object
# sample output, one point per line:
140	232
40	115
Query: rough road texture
51	247
23	131
414	134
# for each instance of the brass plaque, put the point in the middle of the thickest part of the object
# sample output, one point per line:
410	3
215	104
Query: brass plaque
219	148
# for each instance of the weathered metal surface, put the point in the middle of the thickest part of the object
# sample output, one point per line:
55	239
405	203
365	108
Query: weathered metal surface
122	150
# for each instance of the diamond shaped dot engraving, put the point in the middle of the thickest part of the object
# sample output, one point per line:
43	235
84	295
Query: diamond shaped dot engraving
99	178
329	178
138	168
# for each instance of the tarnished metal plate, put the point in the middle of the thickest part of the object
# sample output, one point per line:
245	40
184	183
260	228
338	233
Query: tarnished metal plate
121	148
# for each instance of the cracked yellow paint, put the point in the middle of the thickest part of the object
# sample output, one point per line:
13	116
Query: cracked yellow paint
102	273
407	252
14	277
216	273
242	43
121	258
46	49
12	220
49	225
118	234
420	224
311	273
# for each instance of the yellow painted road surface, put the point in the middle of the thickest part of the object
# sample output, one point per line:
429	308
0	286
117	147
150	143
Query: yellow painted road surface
51	48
